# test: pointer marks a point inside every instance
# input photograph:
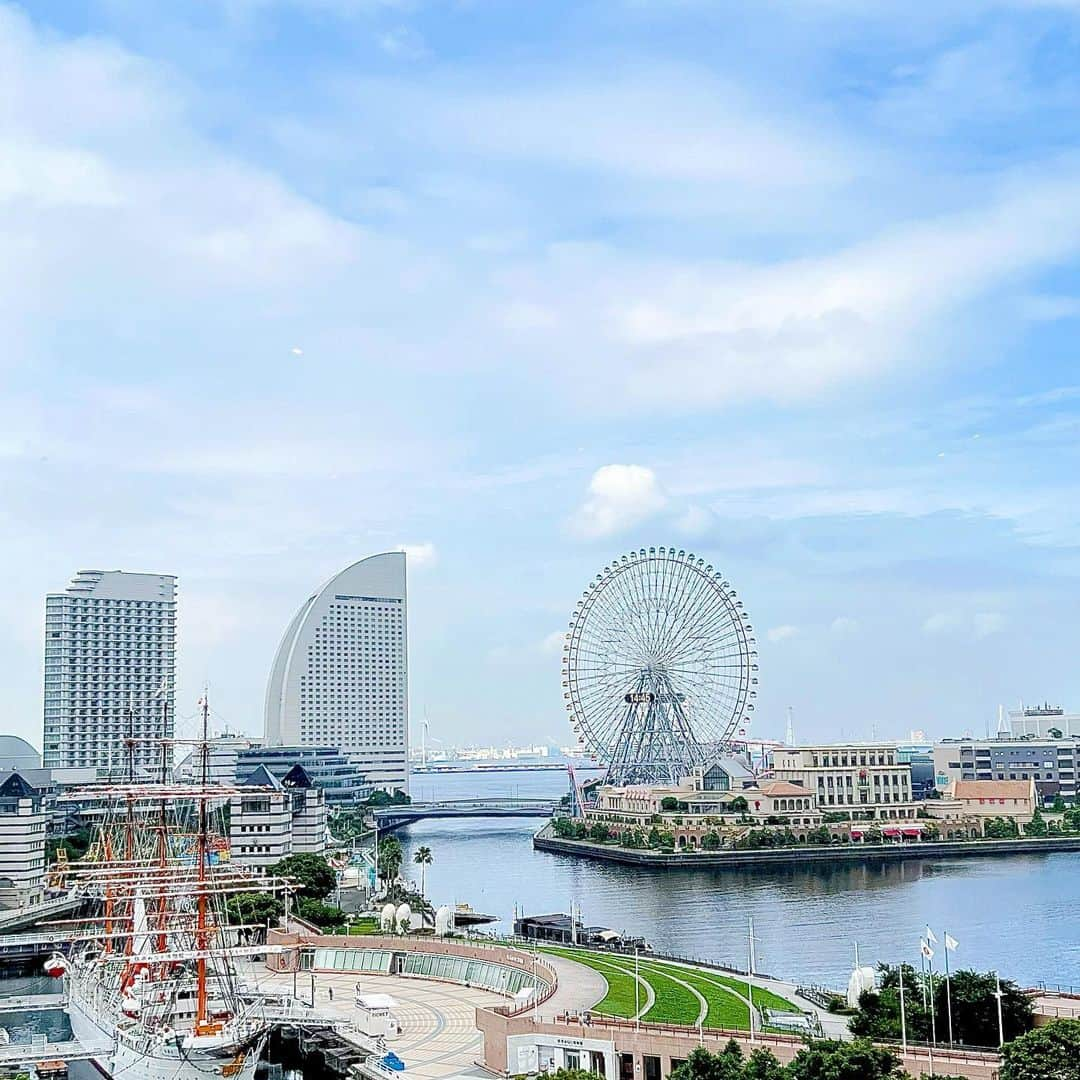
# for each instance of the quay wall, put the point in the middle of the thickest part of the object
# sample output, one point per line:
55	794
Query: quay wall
852	853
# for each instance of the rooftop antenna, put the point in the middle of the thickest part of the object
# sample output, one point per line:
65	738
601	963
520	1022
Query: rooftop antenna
789	735
423	740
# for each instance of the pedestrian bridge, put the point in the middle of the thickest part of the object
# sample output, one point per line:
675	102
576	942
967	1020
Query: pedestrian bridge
394	817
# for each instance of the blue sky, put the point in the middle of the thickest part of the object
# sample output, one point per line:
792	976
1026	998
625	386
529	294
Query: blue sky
792	283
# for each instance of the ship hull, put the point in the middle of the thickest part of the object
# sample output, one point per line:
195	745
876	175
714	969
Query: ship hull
163	1061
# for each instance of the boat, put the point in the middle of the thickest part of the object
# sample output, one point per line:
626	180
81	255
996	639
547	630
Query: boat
151	978
464	915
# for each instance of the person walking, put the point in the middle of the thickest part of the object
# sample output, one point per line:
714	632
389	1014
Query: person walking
330	991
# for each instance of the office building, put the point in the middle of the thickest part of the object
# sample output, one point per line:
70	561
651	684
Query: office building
308	808
331	770
260	822
110	655
22	843
340	676
1043	722
867	780
1050	763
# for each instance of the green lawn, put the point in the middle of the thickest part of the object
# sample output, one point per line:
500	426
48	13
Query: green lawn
621	998
674	1003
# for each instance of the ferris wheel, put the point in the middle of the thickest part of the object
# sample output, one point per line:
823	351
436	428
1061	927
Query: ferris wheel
659	666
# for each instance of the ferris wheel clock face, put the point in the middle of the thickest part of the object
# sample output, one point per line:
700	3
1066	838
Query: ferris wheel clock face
659	666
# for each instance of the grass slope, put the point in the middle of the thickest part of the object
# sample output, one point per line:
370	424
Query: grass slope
674	1004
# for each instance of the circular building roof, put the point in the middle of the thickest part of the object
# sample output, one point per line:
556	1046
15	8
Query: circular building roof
16	753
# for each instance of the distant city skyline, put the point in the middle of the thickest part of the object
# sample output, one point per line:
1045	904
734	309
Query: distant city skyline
517	288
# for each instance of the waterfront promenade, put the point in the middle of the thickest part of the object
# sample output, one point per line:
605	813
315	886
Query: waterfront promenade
544	840
561	1026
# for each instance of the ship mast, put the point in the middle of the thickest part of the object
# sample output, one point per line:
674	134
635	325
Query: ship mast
201	1025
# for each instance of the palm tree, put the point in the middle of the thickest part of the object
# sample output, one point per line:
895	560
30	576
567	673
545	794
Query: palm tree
423	859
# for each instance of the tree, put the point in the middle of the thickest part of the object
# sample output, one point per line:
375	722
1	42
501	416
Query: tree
669	802
1045	1053
257	908
763	1066
702	1065
390	858
324	916
385	798
974	1007
829	1059
1058	805
710	841
739	804
1037	825
423	858
314	875
1001	828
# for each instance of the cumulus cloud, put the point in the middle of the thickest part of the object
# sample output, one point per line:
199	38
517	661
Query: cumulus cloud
553	642
620	496
419	555
844	624
781	633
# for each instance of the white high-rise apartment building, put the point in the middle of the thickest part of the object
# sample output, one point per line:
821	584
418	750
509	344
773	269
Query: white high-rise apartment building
340	677
110	647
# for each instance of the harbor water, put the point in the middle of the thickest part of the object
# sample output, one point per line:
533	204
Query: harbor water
1015	913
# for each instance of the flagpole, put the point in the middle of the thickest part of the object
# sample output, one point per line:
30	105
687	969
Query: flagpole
948	989
749	971
933	1008
903	1014
1001	1019
637	990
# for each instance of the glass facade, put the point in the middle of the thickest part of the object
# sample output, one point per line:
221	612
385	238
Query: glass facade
458	969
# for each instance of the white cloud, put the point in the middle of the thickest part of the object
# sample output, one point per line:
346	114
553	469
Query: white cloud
553	642
986	623
694	521
844	624
781	633
620	496
942	622
660	123
979	625
419	556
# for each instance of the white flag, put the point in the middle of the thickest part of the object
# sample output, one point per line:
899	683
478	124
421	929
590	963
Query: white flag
930	936
951	943
924	948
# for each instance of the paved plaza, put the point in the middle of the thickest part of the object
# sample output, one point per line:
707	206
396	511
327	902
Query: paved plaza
439	1037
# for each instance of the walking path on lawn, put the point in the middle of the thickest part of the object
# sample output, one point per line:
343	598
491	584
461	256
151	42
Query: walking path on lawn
683	993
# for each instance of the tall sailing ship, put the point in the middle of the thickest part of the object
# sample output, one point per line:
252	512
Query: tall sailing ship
152	977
